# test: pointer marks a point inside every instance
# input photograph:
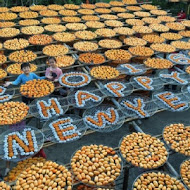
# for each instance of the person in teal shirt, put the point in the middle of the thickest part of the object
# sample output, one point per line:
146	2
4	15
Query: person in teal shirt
23	78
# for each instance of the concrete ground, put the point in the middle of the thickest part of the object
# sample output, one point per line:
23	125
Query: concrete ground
154	125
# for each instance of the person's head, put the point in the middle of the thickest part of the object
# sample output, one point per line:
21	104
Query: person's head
25	67
52	61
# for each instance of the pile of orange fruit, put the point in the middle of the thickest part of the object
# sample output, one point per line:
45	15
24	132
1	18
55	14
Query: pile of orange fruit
21	166
15	69
12	112
40	39
36	88
22	56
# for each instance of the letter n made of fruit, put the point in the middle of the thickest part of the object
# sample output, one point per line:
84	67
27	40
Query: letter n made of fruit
25	143
64	130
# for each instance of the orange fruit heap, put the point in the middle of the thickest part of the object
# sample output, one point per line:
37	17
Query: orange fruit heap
37	88
12	112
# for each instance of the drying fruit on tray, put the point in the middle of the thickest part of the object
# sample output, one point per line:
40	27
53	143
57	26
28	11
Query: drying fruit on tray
177	136
159	27
157	179
48	13
134	41
22	166
90	18
149	7
64	61
19	9
95	24
158	63
4	9
153	38
56	176
16	44
135	22
186	23
3	74
40	39
37	88
143	150
113	23
92	58
124	31
9	32
6	24
55	50
116	3
85	35
71	6
76	26
185	172
165	48
118	54
67	12
142	14
141	51
84	187
188	69
55	7
38	7
30	30
151	20
12	112
103	11
181	45
22	56
29	22
118	9
103	5
51	20
175	26
88	6
110	43
130	2
104	72
64	37
105	32
8	16
133	8
95	174
125	15
142	29
185	33
55	28
3	59
4	186
28	14
171	36
86	11
85	46
166	18
15	69
71	19
158	12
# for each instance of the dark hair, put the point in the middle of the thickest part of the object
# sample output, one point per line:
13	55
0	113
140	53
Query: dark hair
52	58
23	65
